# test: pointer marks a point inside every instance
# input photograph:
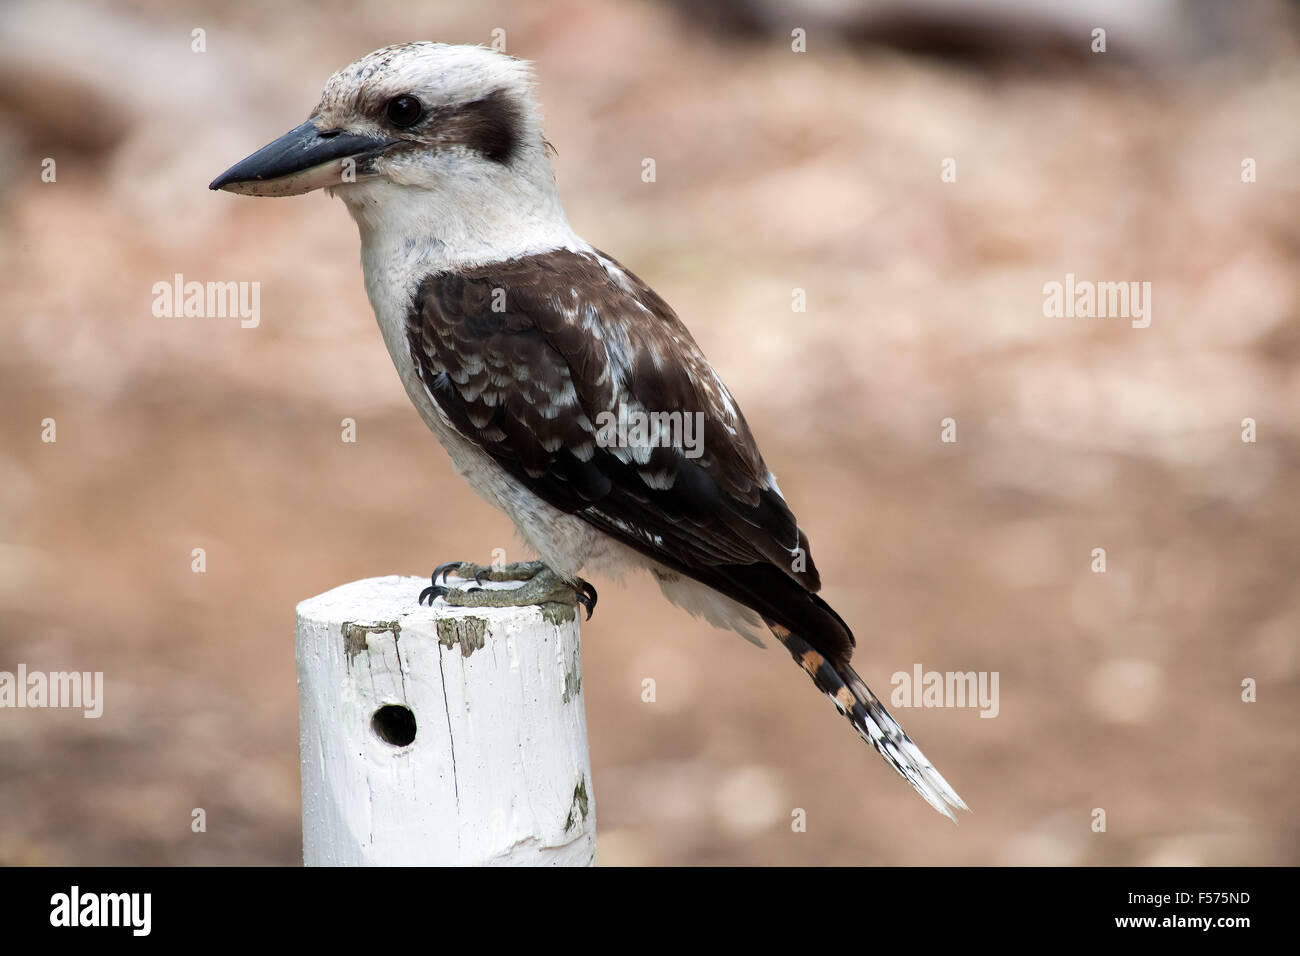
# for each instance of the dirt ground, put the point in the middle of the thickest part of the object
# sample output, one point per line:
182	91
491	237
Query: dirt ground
1120	691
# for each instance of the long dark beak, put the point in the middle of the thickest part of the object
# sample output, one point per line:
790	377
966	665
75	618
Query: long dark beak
303	159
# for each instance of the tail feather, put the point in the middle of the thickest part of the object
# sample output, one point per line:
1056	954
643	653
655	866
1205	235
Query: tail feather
867	714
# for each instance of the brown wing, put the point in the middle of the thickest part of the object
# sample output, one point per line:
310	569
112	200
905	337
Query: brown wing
530	359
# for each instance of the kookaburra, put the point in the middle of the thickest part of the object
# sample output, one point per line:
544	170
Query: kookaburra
516	340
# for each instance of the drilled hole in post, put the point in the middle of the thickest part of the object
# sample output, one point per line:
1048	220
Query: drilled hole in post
394	724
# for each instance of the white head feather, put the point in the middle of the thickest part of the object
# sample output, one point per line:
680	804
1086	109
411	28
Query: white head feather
436	200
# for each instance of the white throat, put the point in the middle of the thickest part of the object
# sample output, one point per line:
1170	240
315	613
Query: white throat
468	214
459	213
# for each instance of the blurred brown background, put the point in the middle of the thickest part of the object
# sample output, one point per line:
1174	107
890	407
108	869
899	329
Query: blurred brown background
775	171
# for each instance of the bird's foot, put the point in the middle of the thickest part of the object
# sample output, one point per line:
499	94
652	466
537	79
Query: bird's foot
540	585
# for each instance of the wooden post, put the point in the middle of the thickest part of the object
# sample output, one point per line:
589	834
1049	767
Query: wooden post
443	735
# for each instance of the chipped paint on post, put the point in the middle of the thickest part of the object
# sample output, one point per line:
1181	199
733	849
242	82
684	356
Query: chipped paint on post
355	640
556	613
580	803
468	632
573	679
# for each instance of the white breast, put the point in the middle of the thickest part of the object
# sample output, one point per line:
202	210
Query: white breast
395	259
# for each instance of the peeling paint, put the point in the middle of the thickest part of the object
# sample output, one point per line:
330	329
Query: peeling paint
468	632
580	805
572	680
557	613
355	640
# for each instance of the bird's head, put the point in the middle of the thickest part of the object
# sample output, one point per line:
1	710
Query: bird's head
457	122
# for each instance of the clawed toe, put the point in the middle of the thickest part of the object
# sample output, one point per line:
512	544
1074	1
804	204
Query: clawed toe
540	585
442	570
433	592
587	598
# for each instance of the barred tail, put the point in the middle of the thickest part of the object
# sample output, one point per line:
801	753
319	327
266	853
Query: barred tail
867	714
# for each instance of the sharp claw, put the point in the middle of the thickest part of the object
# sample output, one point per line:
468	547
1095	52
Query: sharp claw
442	569
432	593
478	578
587	598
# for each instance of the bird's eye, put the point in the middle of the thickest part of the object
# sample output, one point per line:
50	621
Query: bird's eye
404	110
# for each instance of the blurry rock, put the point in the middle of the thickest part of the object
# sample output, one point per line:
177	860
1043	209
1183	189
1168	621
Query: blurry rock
1034	33
56	110
131	93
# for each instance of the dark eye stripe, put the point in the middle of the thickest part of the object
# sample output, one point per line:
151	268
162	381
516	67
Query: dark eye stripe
491	126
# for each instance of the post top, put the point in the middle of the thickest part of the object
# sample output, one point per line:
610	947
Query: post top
395	597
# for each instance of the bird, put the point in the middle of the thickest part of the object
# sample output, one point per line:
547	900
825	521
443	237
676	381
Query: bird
517	342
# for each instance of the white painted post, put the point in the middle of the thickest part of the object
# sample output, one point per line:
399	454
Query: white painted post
443	735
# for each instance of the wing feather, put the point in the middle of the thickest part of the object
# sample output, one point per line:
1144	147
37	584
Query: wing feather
528	358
